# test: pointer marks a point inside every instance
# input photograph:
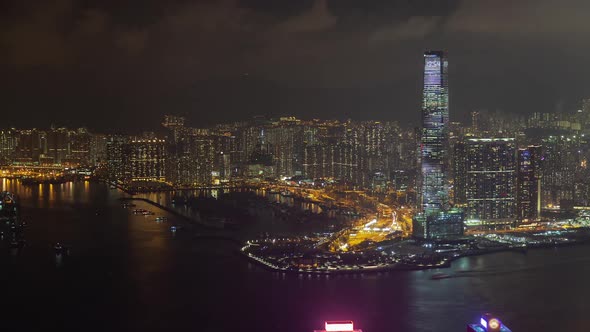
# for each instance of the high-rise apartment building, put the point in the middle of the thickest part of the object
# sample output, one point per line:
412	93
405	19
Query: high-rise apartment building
80	146
57	145
7	145
490	188
114	157
528	193
28	147
144	160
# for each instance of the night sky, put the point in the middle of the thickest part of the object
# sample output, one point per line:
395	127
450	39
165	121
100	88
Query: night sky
114	64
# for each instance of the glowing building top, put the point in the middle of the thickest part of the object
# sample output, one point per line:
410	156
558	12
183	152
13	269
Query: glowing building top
339	326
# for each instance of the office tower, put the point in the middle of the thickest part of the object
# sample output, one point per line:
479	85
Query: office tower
528	193
434	135
434	220
491	177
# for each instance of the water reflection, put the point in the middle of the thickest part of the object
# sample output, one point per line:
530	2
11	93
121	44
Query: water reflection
49	195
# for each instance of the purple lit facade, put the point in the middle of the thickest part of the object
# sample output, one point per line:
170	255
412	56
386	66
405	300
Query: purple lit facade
434	135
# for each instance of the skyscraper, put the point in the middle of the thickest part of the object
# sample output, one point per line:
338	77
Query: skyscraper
434	219
528	194
144	160
434	135
491	176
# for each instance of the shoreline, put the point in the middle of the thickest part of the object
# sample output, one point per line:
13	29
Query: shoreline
404	266
401	266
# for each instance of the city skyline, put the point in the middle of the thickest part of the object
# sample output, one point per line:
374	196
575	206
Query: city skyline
85	60
402	166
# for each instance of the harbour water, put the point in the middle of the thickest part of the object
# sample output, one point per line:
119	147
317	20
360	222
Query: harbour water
129	273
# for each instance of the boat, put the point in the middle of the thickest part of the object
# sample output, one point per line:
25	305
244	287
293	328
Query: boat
440	275
139	211
161	219
61	250
147	213
173	229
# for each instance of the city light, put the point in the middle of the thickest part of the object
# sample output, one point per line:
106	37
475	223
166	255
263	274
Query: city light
346	326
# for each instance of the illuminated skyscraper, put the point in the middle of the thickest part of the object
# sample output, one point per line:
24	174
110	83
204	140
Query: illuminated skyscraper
144	160
434	219
114	157
491	179
434	136
528	194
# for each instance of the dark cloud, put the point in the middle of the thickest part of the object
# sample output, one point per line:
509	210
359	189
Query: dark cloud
74	62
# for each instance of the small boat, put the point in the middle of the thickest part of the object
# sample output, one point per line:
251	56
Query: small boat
139	211
148	213
161	219
61	250
440	275
173	229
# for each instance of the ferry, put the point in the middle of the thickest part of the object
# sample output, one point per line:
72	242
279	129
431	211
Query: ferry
488	323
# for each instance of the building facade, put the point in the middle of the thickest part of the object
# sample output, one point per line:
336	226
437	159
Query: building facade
491	179
435	220
528	193
434	134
